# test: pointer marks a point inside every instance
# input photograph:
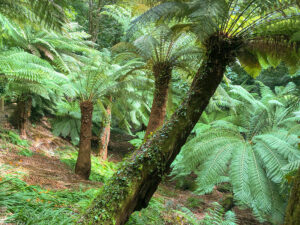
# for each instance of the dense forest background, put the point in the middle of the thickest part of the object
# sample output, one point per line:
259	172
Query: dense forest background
149	112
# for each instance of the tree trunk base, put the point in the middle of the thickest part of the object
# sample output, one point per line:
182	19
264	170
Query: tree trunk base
83	164
20	117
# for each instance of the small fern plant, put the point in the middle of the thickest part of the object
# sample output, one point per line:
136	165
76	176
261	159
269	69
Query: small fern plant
252	149
216	215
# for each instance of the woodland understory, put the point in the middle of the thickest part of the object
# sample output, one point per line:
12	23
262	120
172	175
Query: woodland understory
150	112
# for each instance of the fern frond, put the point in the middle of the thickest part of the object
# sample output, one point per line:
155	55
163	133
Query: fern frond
260	186
284	144
239	176
272	160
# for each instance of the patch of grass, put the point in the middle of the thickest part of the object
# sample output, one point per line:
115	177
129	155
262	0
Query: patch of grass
12	137
193	202
186	183
101	170
25	152
33	205
166	192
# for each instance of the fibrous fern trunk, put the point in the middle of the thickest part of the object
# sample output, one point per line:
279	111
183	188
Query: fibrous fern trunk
162	74
83	164
292	216
20	118
132	187
105	133
2	104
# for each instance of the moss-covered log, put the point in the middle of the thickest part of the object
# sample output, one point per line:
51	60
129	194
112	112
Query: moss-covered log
292	216
132	187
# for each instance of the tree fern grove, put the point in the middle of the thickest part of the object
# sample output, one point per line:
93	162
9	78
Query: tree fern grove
186	111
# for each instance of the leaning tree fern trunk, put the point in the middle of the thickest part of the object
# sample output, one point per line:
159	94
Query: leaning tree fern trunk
132	187
21	115
105	133
83	164
162	75
292	216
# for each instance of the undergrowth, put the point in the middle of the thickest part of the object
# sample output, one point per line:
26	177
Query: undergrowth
101	170
161	212
27	204
12	137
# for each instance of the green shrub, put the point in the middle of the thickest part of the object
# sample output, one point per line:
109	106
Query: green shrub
137	142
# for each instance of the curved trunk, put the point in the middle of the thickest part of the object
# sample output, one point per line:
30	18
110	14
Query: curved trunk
162	73
292	216
105	133
83	164
22	114
132	187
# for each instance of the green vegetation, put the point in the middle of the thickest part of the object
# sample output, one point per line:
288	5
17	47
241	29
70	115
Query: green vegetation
202	95
12	137
265	129
32	204
101	170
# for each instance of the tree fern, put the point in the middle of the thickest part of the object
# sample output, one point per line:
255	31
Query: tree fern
253	148
28	73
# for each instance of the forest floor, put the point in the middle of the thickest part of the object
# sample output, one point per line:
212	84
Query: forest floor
47	161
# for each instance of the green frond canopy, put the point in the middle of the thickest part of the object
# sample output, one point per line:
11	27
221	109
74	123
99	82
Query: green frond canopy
46	44
162	45
50	13
27	73
268	30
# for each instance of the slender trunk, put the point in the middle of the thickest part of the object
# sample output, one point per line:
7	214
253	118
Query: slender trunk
162	73
94	19
132	187
292	216
2	104
20	118
105	133
83	164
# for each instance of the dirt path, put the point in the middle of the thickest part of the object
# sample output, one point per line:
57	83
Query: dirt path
43	168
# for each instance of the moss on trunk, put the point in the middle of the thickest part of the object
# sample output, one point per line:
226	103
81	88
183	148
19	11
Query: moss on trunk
132	187
83	164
